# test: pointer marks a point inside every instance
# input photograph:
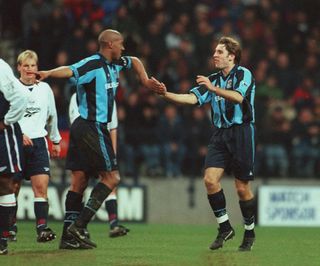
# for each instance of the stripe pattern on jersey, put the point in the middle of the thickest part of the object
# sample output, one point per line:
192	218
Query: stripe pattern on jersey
226	113
96	81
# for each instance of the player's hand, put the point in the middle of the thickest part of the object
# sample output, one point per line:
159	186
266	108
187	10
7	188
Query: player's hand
27	141
56	149
202	80
159	88
153	84
40	75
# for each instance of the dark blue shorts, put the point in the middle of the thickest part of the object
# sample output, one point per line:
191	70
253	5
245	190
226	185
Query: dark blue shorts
10	149
90	147
233	149
35	159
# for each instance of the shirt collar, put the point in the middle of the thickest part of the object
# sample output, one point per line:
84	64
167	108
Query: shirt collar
103	58
231	72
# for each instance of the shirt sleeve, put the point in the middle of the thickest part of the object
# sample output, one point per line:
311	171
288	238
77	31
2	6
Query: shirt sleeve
244	80
15	94
124	62
52	119
203	95
75	72
84	66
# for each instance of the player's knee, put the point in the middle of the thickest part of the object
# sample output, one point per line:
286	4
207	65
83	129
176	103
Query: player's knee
6	186
115	179
78	187
210	182
79	181
41	193
16	187
243	191
110	179
40	190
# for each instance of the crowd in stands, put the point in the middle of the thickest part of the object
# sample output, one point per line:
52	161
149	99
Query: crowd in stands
175	40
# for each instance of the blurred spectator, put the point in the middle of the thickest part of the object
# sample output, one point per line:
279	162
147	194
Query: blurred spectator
124	23
198	136
172	139
276	141
302	95
311	68
175	40
75	45
61	104
132	110
175	35
55	29
150	140
305	143
121	138
284	74
33	12
203	37
270	90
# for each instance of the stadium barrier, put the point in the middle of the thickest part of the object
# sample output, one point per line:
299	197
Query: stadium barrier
289	206
131	203
184	201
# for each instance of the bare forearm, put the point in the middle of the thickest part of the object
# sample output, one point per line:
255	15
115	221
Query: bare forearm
139	69
181	98
60	72
229	95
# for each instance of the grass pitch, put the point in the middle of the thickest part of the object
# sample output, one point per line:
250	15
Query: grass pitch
168	245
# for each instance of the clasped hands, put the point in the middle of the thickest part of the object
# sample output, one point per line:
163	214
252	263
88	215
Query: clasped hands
160	88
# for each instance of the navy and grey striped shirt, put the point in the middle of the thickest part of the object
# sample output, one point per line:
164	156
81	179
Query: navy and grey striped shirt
226	113
97	81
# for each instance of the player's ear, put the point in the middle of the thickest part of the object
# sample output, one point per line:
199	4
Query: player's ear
231	57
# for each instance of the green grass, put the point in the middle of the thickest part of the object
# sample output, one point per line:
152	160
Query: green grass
168	245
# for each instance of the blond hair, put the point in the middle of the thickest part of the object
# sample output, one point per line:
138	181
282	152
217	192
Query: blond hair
25	55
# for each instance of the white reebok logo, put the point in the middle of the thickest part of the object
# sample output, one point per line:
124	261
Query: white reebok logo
46	169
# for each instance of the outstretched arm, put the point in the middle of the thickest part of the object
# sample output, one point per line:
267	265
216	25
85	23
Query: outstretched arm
176	98
59	72
230	95
139	69
181	98
149	83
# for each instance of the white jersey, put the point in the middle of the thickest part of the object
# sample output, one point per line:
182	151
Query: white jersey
41	112
74	112
13	98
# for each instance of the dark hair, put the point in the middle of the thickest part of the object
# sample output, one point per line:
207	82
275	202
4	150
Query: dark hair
233	47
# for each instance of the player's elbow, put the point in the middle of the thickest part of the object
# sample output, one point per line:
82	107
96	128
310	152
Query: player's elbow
193	99
240	100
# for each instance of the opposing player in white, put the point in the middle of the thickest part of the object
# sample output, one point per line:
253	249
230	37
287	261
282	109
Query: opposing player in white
12	105
111	202
39	120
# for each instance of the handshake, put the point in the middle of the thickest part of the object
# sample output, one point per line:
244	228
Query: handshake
156	86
